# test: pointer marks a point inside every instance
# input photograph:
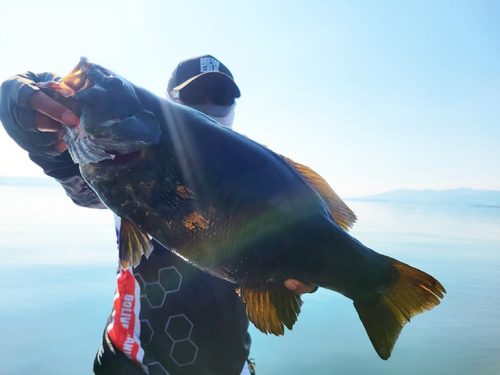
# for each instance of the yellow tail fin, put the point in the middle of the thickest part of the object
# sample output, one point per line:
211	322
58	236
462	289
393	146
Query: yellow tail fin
385	314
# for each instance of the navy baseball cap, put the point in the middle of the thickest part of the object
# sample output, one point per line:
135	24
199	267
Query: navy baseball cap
199	69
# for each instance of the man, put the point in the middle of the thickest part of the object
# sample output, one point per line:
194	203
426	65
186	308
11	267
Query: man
168	316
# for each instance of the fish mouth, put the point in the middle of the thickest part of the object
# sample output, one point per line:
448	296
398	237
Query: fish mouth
77	80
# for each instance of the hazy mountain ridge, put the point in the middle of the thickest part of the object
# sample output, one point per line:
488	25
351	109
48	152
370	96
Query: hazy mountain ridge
462	196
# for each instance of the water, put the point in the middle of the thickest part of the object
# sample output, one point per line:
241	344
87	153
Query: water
57	280
459	246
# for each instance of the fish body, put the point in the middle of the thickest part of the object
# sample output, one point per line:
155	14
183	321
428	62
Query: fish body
228	205
235	209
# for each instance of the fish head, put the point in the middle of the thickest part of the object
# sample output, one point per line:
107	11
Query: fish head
113	121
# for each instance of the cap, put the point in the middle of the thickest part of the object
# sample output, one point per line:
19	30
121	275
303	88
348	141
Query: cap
203	66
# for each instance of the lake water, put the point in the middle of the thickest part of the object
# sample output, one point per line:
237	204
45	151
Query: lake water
57	280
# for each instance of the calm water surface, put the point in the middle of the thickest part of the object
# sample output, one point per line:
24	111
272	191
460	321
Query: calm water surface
57	279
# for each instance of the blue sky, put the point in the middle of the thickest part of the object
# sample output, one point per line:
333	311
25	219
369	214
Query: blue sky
373	95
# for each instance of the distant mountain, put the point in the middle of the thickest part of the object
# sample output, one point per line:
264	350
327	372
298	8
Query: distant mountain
462	196
28	181
469	197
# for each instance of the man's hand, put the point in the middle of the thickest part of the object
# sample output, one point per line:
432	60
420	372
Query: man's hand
31	118
299	287
50	114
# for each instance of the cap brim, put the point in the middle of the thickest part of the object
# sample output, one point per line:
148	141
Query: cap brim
223	77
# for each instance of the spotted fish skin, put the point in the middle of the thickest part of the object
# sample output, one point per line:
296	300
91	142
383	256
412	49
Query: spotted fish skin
248	218
201	203
237	210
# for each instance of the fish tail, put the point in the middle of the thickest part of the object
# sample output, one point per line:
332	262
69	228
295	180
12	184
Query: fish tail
385	313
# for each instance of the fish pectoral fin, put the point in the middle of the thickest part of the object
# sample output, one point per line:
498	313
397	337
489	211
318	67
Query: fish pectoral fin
133	243
271	310
339	211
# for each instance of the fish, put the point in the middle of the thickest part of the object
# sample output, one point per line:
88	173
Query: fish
231	207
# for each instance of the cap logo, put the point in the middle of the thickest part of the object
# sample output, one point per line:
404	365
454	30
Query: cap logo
209	64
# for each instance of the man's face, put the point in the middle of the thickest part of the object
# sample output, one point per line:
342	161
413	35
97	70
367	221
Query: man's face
210	97
210	90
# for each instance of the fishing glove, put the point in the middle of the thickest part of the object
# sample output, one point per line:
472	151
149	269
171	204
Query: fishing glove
18	119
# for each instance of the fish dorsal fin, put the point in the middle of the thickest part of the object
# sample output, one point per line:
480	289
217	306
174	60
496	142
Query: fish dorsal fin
271	311
133	243
339	211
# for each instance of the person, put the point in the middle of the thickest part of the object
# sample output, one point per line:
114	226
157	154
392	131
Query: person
168	316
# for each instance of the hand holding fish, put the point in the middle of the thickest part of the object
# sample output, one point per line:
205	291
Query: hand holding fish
31	118
50	115
299	287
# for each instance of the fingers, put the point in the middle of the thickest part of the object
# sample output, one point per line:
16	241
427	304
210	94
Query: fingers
299	287
46	124
36	130
61	146
42	103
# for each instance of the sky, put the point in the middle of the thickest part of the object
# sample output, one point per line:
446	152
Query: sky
374	96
